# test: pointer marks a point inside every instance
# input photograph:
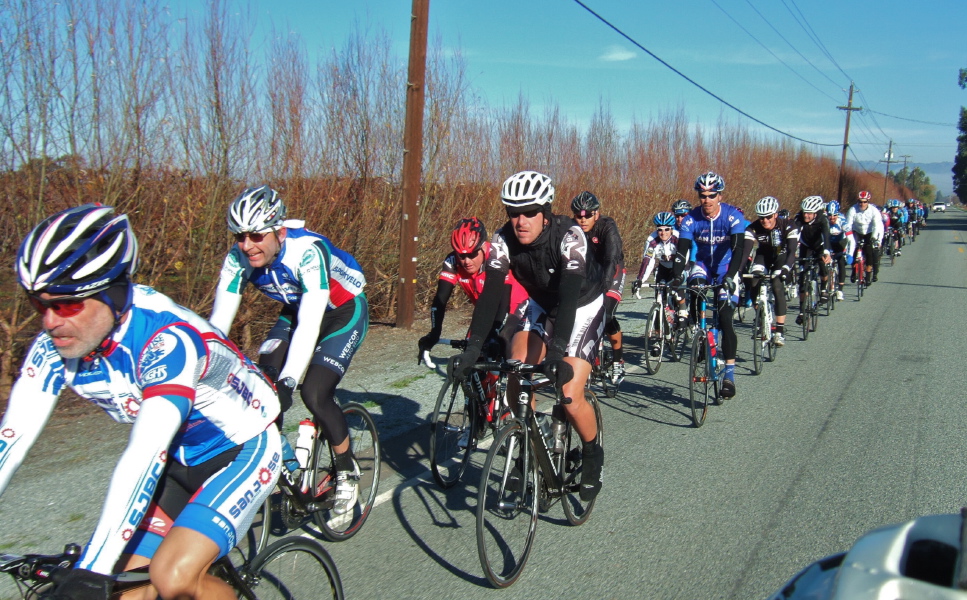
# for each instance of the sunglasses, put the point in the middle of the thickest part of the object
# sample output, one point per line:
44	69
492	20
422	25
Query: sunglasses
711	196
62	307
527	215
864	201
255	236
660	229
769	217
468	255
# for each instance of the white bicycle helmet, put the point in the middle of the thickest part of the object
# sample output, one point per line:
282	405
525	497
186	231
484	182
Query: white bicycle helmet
766	206
527	189
256	209
709	182
813	204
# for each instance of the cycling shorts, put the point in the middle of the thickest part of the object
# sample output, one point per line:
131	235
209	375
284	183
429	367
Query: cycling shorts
584	338
217	498
343	330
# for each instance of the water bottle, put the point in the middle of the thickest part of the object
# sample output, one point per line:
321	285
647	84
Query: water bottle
557	429
303	445
545	423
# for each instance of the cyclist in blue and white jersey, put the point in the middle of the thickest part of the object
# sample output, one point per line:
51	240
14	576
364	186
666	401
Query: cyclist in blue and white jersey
204	451
323	321
710	240
842	244
866	223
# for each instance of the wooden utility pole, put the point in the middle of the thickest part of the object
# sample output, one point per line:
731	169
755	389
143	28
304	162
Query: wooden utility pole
889	159
849	108
412	164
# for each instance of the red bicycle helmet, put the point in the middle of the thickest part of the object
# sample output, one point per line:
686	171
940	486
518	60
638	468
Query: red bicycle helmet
468	236
864	195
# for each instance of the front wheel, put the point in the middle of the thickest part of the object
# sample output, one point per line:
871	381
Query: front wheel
294	568
507	506
364	443
760	336
576	510
453	433
655	338
699	378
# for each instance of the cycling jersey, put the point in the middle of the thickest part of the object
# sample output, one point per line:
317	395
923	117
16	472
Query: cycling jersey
605	245
190	394
657	254
814	235
472	285
865	222
712	249
841	237
776	247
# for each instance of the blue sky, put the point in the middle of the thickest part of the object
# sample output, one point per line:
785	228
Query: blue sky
903	56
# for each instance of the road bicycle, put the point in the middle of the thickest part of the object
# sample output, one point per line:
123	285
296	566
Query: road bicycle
809	308
526	472
311	489
463	415
763	344
661	329
293	568
704	371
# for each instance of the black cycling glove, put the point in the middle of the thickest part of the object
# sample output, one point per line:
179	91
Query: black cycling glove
284	388
81	584
461	364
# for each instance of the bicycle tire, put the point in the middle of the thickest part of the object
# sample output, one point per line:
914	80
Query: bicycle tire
294	568
256	538
699	378
805	308
655	336
364	442
454	414
758	337
576	510
504	541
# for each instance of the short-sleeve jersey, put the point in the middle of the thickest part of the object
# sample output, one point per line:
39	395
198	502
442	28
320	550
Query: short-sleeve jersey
307	261
711	237
472	285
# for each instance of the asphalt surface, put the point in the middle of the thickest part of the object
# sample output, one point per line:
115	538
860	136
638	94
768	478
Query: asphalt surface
858	427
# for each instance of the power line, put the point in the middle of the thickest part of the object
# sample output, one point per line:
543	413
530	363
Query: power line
914	120
693	82
815	38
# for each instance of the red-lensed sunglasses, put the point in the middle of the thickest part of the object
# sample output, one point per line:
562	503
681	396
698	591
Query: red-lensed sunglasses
255	236
62	307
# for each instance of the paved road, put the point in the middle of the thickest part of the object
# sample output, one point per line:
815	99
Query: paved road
858	427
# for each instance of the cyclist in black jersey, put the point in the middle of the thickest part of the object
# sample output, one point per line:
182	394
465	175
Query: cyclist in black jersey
778	242
814	241
606	247
563	317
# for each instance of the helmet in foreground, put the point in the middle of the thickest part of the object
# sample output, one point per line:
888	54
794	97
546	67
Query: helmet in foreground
256	209
584	204
664	219
812	204
468	236
709	182
865	195
78	252
767	206
527	190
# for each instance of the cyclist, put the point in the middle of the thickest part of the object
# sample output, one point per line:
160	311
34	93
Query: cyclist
203	416
563	318
323	320
605	244
711	240
778	242
864	220
680	208
842	244
813	242
898	223
464	267
659	254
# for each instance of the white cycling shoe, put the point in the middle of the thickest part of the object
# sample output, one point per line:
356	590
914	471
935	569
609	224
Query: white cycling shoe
347	490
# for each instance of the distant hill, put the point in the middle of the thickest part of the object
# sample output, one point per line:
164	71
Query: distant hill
938	172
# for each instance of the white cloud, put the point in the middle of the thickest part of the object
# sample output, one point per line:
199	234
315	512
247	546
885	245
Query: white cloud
617	53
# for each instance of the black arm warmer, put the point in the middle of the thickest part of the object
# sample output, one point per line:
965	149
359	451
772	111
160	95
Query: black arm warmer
735	263
438	308
681	255
487	305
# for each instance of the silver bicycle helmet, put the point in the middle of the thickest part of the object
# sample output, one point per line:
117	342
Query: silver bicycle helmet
681	207
256	209
766	206
709	182
527	190
813	204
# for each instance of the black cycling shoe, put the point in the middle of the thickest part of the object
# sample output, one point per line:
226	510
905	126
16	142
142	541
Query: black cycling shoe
875	279
591	473
799	319
728	388
852	277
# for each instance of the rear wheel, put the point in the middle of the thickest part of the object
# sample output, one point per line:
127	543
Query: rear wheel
294	568
364	443
759	334
699	378
506	507
576	510
655	333
454	417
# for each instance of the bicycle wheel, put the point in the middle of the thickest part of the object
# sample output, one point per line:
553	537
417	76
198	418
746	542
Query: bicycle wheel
655	338
257	536
364	442
699	378
576	510
759	334
507	507
294	568
805	309
454	416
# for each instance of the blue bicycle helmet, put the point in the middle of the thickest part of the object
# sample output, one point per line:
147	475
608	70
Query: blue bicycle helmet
709	182
664	219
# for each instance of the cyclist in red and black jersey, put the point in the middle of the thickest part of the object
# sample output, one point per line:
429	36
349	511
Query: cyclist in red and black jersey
464	267
605	245
778	240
